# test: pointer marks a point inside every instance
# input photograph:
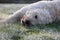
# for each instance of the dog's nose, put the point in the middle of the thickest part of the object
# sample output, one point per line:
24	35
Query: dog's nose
27	22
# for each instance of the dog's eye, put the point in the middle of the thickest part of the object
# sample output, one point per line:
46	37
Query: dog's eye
35	16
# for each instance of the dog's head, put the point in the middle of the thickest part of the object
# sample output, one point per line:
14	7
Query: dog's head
34	17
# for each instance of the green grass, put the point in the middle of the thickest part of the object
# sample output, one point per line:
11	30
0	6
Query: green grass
39	32
16	31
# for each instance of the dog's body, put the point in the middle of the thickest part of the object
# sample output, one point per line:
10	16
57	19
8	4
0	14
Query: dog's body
52	6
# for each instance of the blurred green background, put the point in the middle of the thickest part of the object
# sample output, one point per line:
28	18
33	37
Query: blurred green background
18	1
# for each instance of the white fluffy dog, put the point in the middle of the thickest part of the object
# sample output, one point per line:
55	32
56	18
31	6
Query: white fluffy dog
46	11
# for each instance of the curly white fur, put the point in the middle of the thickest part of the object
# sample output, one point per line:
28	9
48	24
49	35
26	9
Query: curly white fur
52	6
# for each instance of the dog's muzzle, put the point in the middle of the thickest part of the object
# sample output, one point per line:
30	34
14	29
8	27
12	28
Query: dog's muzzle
25	23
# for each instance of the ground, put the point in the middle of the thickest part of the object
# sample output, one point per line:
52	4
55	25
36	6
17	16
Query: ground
18	32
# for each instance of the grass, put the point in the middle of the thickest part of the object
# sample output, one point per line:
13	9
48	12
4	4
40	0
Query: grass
18	32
